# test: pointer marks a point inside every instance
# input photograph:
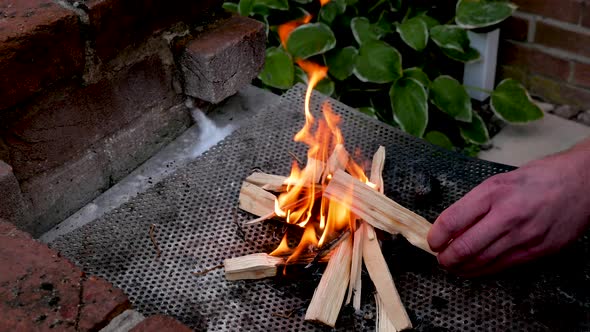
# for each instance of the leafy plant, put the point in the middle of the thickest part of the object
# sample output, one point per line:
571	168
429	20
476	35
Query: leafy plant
395	60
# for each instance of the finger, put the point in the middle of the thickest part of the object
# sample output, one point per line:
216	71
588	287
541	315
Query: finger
516	256
474	240
507	243
459	216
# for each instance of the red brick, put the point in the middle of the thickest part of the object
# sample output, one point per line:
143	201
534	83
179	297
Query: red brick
559	92
59	125
582	74
102	302
533	60
116	24
40	291
160	323
40	43
563	10
515	28
572	41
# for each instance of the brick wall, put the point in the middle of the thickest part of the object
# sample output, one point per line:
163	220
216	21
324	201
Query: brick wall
546	45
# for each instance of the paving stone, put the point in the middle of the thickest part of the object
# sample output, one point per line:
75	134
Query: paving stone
224	58
30	32
124	322
584	117
160	323
566	111
41	291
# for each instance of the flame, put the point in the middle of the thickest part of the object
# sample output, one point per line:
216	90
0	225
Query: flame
286	28
324	2
302	203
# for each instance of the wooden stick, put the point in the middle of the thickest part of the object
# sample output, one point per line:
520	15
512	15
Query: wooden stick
329	295
354	286
378	210
270	182
379	273
254	266
256	200
338	160
382	323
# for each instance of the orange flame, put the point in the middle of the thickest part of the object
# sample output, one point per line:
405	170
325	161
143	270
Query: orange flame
286	28
324	2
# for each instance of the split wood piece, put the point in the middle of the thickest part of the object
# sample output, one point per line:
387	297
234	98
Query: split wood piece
338	160
256	200
378	210
383	323
381	277
270	182
254	266
354	286
329	295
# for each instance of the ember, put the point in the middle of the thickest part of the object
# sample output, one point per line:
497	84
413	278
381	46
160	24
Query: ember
337	205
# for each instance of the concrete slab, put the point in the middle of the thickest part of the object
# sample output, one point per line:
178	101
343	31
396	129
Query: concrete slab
207	131
518	144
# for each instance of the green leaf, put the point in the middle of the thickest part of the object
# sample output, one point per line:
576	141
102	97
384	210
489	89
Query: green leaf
450	37
440	139
310	39
303	1
476	131
245	7
417	74
273	4
370	111
231	7
450	96
512	103
278	71
326	86
300	75
473	14
409	102
329	11
341	62
470	55
430	22
378	62
384	23
414	32
363	31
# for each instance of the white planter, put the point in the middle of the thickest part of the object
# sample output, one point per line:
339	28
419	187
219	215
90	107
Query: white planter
482	73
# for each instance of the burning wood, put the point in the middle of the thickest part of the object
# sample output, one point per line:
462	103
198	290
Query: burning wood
378	210
337	206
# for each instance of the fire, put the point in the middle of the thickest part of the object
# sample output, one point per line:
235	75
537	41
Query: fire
302	203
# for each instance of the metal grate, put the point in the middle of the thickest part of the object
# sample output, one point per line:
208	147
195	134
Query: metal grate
196	217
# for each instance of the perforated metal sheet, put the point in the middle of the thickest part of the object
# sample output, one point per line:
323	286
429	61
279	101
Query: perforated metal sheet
197	220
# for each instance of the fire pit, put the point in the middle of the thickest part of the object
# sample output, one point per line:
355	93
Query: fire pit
195	223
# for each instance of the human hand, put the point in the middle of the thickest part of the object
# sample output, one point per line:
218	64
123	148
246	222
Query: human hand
515	217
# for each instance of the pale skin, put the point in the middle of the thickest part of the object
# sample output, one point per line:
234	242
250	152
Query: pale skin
515	217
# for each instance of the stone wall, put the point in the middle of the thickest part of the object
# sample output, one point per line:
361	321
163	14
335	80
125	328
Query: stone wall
546	45
90	89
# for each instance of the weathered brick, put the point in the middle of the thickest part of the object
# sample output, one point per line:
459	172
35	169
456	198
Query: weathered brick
533	60
160	323
224	58
559	92
515	72
582	74
515	28
116	24
40	43
556	37
60	125
563	10
102	303
40	291
12	203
